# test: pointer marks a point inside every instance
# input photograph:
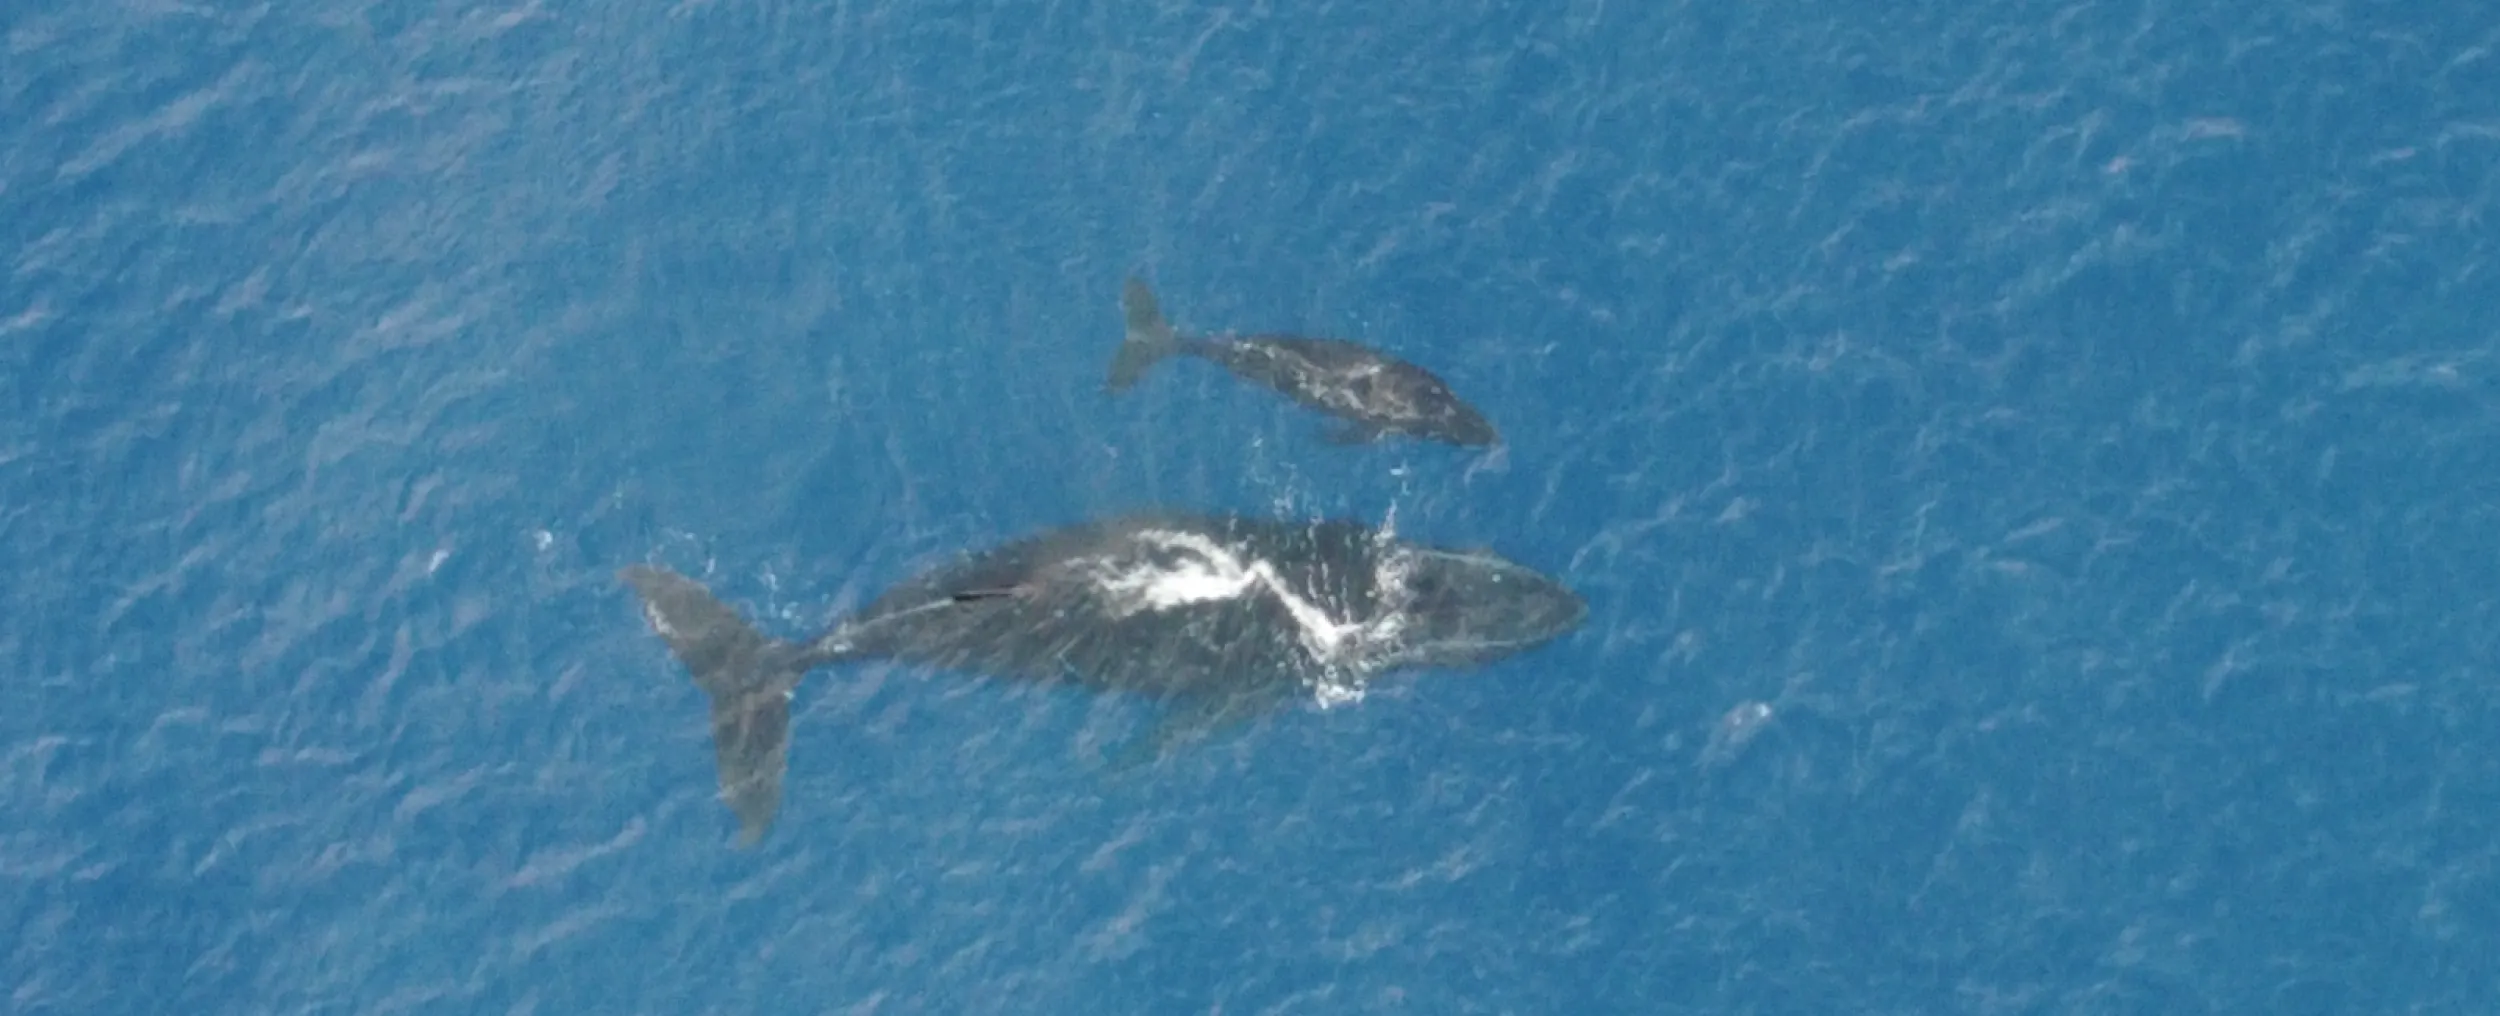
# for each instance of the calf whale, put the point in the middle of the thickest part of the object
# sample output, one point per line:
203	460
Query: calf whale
1223	616
1375	395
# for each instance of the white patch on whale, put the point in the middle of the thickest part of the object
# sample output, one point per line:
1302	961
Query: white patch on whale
1206	571
659	621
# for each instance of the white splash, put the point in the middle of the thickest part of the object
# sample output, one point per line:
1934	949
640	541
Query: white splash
1206	573
1209	571
1337	690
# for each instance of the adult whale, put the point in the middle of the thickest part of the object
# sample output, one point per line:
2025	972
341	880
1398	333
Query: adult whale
1224	616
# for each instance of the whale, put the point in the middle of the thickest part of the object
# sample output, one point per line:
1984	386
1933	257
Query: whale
1371	394
1220	617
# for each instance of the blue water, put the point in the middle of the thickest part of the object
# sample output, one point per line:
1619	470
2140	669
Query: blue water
2076	421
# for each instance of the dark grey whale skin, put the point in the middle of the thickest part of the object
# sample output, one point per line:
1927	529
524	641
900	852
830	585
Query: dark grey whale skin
1052	607
1373	394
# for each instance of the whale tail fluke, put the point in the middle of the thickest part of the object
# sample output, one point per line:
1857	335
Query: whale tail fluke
1150	339
749	678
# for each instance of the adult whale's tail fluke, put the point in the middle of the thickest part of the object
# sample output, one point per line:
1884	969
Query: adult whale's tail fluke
1150	338
749	677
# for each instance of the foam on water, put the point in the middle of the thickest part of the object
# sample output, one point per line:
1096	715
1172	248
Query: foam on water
1208	571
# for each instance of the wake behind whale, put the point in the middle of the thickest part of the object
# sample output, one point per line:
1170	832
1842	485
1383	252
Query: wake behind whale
1223	616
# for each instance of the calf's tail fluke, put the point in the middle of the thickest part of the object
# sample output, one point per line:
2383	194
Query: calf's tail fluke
1150	338
749	678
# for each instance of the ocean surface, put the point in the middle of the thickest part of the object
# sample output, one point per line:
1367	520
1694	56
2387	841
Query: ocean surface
2078	424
